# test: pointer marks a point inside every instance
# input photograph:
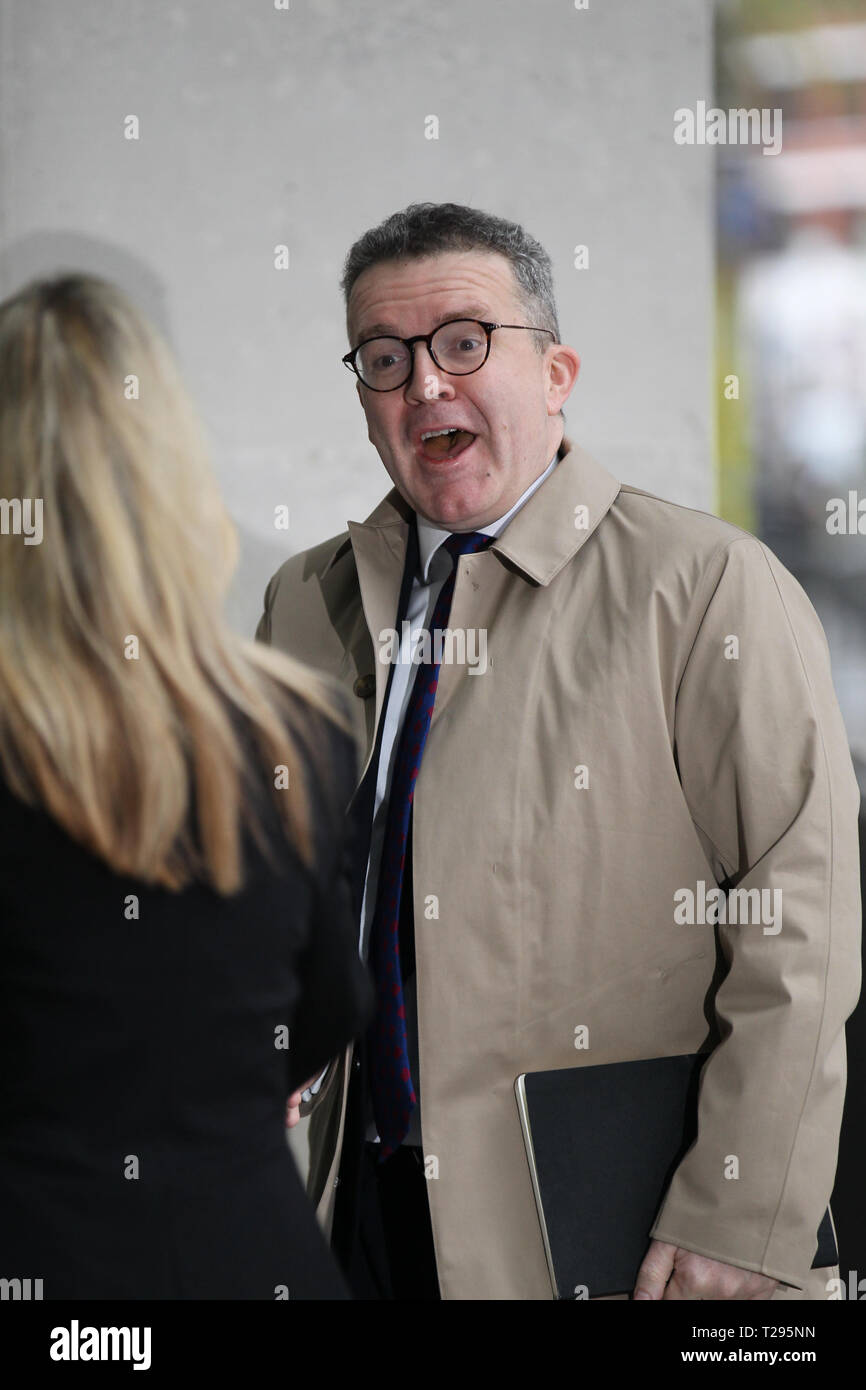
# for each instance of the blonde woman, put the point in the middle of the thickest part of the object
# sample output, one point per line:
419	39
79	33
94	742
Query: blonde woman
178	942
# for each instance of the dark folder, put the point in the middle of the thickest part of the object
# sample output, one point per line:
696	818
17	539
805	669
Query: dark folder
603	1143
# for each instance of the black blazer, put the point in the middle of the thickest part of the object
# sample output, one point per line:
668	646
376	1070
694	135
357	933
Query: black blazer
143	1151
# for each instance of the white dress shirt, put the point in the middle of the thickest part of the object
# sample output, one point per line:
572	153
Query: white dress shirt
435	566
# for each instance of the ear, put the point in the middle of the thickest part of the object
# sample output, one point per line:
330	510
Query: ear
561	368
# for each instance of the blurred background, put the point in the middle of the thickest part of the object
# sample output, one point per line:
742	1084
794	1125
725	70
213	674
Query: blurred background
717	295
791	327
791	277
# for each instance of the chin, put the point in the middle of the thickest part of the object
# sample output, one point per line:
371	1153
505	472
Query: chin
455	508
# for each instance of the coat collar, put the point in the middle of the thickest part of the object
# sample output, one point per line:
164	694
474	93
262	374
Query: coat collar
537	542
543	536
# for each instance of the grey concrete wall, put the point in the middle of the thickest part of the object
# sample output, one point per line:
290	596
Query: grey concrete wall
305	126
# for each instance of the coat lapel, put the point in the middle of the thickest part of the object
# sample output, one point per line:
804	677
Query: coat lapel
537	543
544	535
378	547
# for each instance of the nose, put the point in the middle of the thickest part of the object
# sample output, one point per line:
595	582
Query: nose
427	382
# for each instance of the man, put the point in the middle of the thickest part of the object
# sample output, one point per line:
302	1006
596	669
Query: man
641	710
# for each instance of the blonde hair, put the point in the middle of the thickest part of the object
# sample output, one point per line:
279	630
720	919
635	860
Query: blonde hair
128	755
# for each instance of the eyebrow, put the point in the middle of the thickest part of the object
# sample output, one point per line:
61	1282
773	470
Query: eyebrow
469	311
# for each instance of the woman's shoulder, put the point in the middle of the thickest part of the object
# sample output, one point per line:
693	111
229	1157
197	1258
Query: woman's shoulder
328	757
331	755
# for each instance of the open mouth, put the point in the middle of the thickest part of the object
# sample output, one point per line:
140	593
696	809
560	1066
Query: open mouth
443	445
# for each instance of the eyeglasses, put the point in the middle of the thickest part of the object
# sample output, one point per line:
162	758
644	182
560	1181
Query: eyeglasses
459	348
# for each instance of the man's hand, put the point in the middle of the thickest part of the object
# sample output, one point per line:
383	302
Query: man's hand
293	1106
669	1272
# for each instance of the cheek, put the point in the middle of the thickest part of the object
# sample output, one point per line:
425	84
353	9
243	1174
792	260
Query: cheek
376	426
511	406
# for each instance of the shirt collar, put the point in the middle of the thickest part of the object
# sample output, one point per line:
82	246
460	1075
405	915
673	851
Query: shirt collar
431	537
547	532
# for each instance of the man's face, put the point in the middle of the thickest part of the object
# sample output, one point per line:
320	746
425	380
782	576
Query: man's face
510	406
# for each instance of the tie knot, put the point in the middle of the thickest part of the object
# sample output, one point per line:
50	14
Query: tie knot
466	543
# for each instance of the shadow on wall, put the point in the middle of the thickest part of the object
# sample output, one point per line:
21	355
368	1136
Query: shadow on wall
43	254
47	254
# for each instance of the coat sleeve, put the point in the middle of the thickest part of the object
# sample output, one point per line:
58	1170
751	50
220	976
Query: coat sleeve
333	900
263	631
337	996
764	764
344	901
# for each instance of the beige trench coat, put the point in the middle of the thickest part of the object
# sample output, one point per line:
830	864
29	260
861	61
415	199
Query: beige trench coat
673	658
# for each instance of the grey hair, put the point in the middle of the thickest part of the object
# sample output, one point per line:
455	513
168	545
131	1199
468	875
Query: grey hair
430	229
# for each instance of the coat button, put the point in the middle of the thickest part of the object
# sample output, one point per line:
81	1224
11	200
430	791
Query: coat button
365	686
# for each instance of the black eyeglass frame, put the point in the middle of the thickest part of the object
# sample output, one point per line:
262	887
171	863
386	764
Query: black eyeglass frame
349	359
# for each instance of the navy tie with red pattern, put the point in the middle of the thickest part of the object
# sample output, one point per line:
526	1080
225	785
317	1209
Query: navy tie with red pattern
390	1078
